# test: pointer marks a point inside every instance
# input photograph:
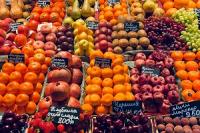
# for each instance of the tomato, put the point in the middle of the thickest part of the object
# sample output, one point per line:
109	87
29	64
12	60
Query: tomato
54	17
33	24
37	9
35	16
44	17
46	9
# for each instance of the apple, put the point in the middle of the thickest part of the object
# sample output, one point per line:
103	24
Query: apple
158	88
4	50
38	45
9	20
165	106
162	80
9	43
51	37
147	98
102	37
49	46
160	64
146	88
173	96
30	41
4	25
134	71
140	56
165	72
39	37
150	63
10	36
2	33
97	32
76	62
144	79
158	98
155	80
135	88
169	62
22	29
170	79
103	45
138	97
139	63
45	29
2	40
50	53
134	78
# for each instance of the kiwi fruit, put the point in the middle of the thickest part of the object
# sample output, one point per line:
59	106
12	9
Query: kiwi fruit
115	43
129	48
118	50
141	25
122	34
132	34
144	41
120	26
133	42
142	33
123	43
114	35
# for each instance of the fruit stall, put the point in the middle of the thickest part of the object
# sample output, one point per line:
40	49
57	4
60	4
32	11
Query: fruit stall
99	66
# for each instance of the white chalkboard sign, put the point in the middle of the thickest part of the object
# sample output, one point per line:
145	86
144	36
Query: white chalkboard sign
64	115
131	26
150	71
188	109
103	62
16	58
92	25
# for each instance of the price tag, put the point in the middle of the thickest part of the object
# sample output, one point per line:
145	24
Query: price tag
131	26
197	11
112	2
151	71
59	63
7	2
103	62
134	107
92	25
14	26
64	115
16	58
43	3
189	109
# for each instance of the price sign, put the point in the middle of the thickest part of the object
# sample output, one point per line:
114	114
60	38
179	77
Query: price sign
150	71
92	25
112	2
189	109
131	26
64	115
14	26
16	58
43	3
134	107
103	62
59	63
197	11
7	2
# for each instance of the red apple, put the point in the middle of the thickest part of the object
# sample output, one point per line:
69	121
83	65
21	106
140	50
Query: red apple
9	20
51	37
76	61
38	45
49	46
4	25
30	41
2	40
75	90
22	29
10	36
50	53
2	33
4	50
39	36
103	45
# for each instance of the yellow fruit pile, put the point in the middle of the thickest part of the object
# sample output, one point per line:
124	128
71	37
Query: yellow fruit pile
105	85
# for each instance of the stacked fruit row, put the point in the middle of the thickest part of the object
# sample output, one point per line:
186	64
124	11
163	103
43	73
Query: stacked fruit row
187	70
106	84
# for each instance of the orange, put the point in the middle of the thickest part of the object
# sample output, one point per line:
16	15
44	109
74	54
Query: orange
97	81
8	67
119	88
101	110
21	67
44	68
128	87
109	55
118	69
31	108
34	67
192	66
108	8
179	65
117	61
41	77
95	72
39	57
118	79
107	82
198	4
177	55
88	80
107	73
189	56
87	109
117	13
16	76
38	87
108	15
26	88
186	84
107	99
87	99
9	99
95	99
125	68
167	5
120	97
2	89
107	90
196	85
96	53
90	89
117	7
182	74
170	12
129	96
22	99
16	51
188	94
193	75
31	77
28	50
39	51
1	101
113	21
13	87
196	96
127	78
92	62
198	55
4	78
35	97
47	61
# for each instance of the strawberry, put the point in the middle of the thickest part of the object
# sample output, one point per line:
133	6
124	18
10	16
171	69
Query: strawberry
38	115
35	122
60	128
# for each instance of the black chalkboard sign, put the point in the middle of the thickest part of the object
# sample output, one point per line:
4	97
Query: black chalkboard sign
59	62
103	62
92	25
131	26
16	58
189	109
197	11
7	2
64	115
14	26
134	107
1	64
150	71
43	3
112	2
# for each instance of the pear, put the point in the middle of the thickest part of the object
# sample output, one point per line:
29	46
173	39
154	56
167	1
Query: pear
86	9
76	13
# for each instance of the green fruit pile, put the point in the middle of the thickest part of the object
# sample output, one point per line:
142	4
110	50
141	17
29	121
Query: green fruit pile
192	33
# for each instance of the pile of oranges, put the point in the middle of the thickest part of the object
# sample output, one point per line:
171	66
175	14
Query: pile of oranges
111	13
21	83
105	85
187	66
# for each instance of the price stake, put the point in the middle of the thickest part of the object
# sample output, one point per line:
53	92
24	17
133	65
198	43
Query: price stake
197	11
112	2
16	58
103	62
151	71
135	107
131	26
14	26
43	3
59	63
92	25
64	115
7	2
189	109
